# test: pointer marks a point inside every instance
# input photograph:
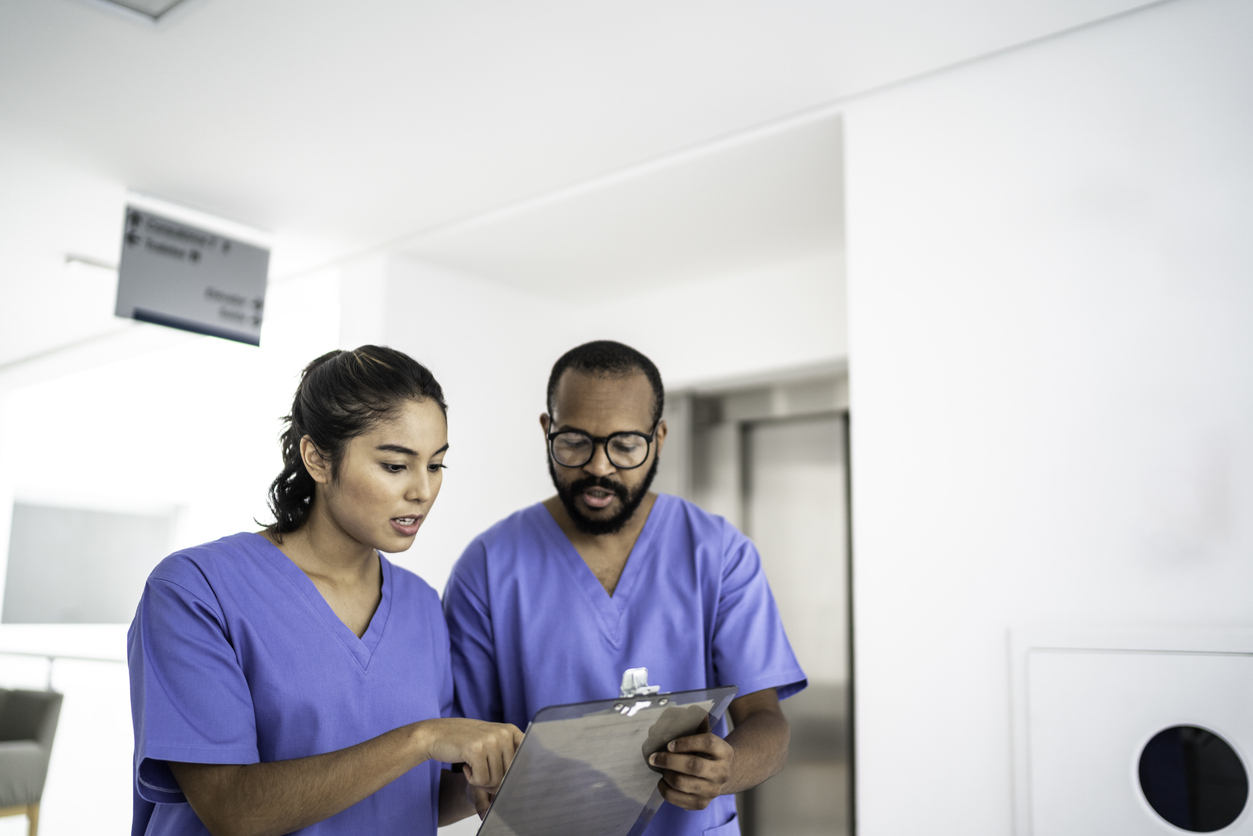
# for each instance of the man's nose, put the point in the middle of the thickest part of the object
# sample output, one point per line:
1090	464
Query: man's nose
599	465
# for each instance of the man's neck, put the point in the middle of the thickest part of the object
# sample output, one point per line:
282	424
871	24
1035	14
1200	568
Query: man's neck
605	554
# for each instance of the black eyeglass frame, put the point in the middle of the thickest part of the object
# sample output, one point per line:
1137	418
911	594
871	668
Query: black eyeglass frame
604	440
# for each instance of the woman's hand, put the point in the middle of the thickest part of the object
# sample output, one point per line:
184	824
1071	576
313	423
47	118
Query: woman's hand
268	799
459	799
486	749
480	798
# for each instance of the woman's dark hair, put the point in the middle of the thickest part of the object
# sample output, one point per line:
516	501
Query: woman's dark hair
341	395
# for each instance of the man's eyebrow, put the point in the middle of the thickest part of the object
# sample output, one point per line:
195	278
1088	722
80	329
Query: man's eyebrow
565	428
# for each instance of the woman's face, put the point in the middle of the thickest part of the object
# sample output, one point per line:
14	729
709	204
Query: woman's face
388	478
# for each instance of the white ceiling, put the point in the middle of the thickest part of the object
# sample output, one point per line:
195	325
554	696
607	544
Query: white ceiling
341	127
731	208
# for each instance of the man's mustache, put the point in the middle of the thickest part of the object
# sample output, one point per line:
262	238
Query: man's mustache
604	482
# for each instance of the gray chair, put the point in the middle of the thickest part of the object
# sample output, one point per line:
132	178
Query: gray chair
28	722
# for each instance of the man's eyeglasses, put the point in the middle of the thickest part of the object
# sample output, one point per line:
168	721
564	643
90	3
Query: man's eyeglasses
626	450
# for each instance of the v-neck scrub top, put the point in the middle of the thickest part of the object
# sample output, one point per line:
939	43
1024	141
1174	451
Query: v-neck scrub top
531	626
235	657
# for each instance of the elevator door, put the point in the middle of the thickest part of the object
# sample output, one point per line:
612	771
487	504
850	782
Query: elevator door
794	511
795	505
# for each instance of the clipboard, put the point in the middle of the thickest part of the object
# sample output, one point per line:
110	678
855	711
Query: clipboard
582	769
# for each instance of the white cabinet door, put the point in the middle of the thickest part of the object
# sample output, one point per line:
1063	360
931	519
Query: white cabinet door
1090	714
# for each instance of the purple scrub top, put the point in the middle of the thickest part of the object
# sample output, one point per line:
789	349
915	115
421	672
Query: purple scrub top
531	626
235	657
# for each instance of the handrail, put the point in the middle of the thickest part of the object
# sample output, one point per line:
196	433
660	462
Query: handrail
52	657
61	656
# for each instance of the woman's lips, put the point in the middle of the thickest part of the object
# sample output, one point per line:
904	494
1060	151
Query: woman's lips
407	526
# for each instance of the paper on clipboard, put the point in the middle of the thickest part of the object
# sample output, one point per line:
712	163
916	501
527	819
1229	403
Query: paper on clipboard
582	770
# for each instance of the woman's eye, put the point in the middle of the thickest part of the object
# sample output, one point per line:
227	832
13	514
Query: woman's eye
435	468
393	468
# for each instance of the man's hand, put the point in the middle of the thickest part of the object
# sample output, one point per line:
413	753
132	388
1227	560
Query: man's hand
695	769
699	768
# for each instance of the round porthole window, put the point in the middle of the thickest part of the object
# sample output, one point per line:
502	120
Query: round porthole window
1193	779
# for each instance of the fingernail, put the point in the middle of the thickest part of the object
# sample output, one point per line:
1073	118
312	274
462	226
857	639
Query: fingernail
652	759
670	745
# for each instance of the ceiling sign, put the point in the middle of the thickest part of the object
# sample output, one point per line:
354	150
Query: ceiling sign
176	274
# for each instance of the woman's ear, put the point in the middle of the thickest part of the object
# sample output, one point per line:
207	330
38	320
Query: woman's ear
318	465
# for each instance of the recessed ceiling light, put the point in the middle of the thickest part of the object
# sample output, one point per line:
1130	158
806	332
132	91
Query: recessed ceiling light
146	11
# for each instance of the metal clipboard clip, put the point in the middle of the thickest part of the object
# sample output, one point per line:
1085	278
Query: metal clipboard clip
635	683
634	686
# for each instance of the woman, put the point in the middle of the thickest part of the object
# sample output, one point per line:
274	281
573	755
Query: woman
294	679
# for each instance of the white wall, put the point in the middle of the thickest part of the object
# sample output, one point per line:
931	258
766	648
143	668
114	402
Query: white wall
492	347
1051	316
744	324
149	419
479	340
193	424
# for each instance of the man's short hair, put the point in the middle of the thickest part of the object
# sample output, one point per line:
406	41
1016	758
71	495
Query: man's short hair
606	358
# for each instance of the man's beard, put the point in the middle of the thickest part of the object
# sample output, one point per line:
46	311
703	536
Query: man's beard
568	494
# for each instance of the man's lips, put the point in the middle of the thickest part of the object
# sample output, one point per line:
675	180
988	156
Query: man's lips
598	497
407	526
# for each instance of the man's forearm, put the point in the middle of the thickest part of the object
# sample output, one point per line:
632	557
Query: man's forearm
760	741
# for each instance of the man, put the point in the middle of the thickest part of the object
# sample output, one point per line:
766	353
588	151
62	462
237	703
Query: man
553	603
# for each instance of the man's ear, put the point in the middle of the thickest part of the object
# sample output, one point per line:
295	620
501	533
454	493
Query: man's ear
318	465
545	422
660	437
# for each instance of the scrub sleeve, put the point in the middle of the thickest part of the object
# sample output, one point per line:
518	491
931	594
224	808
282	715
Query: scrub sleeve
190	701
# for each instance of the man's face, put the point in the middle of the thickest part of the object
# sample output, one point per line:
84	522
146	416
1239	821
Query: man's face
599	497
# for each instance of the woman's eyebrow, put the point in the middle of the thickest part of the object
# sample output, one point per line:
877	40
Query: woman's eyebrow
405	451
396	448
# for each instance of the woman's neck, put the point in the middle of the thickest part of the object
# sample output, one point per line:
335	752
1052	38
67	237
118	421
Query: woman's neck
322	549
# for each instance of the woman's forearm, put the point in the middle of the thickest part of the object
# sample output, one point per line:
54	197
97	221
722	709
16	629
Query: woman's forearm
270	799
